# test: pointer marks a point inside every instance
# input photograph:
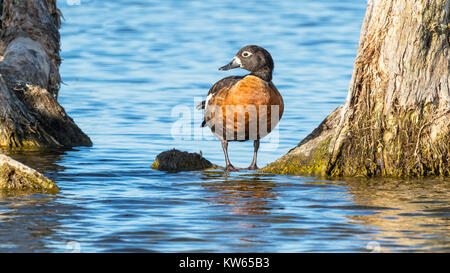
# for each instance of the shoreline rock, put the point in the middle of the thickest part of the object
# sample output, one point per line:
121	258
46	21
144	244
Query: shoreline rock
177	161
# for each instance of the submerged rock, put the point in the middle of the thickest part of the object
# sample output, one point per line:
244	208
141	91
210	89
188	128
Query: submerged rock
17	176
175	161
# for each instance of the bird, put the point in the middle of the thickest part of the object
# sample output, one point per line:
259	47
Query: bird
256	104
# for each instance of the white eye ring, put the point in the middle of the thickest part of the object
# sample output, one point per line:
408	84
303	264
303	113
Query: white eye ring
246	54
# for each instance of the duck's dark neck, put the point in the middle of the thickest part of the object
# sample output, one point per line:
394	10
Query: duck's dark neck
264	74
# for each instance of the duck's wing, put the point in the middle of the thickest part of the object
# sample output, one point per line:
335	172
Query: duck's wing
224	83
201	105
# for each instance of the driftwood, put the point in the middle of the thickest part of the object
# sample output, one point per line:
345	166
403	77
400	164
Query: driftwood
30	115
396	119
16	176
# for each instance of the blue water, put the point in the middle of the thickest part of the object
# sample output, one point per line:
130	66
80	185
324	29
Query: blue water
133	71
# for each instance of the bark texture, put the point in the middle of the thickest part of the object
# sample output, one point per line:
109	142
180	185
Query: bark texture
16	176
396	119
30	116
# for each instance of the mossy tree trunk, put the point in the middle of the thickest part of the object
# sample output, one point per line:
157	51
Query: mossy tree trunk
16	176
30	116
396	119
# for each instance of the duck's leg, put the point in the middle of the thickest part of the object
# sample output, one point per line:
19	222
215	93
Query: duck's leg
255	154
228	166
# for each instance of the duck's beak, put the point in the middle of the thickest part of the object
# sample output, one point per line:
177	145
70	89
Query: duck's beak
236	62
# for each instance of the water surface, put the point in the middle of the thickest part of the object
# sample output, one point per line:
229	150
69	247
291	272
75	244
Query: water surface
130	71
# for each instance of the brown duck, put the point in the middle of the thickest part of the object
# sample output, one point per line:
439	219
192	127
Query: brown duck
240	108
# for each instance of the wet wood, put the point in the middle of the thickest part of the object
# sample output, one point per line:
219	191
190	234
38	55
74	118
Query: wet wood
16	176
30	115
396	119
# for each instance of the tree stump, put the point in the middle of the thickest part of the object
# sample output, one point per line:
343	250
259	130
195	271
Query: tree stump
16	176
30	115
396	119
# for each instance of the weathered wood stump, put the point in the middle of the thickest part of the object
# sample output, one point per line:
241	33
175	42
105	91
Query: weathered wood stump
16	176
30	115
396	119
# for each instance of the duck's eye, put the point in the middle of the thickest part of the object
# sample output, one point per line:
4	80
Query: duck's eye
246	54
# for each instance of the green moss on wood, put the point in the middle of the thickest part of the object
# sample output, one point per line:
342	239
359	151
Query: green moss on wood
402	148
13	178
399	145
316	163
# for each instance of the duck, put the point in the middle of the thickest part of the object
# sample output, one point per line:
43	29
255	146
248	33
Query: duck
242	108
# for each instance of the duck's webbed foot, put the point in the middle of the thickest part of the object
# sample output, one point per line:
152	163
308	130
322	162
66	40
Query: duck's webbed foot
253	167
231	168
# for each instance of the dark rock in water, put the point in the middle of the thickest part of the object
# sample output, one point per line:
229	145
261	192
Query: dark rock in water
175	160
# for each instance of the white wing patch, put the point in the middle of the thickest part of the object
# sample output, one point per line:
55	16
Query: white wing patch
207	99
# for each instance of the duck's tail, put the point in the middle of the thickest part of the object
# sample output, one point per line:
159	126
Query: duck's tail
201	105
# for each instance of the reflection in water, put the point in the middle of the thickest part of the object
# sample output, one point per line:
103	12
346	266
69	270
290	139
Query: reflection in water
43	161
27	222
418	214
30	221
246	194
395	215
213	211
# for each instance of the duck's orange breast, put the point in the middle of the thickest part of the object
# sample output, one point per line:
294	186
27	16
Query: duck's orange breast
245	109
250	90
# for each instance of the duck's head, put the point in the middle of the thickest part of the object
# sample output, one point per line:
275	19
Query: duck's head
255	59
